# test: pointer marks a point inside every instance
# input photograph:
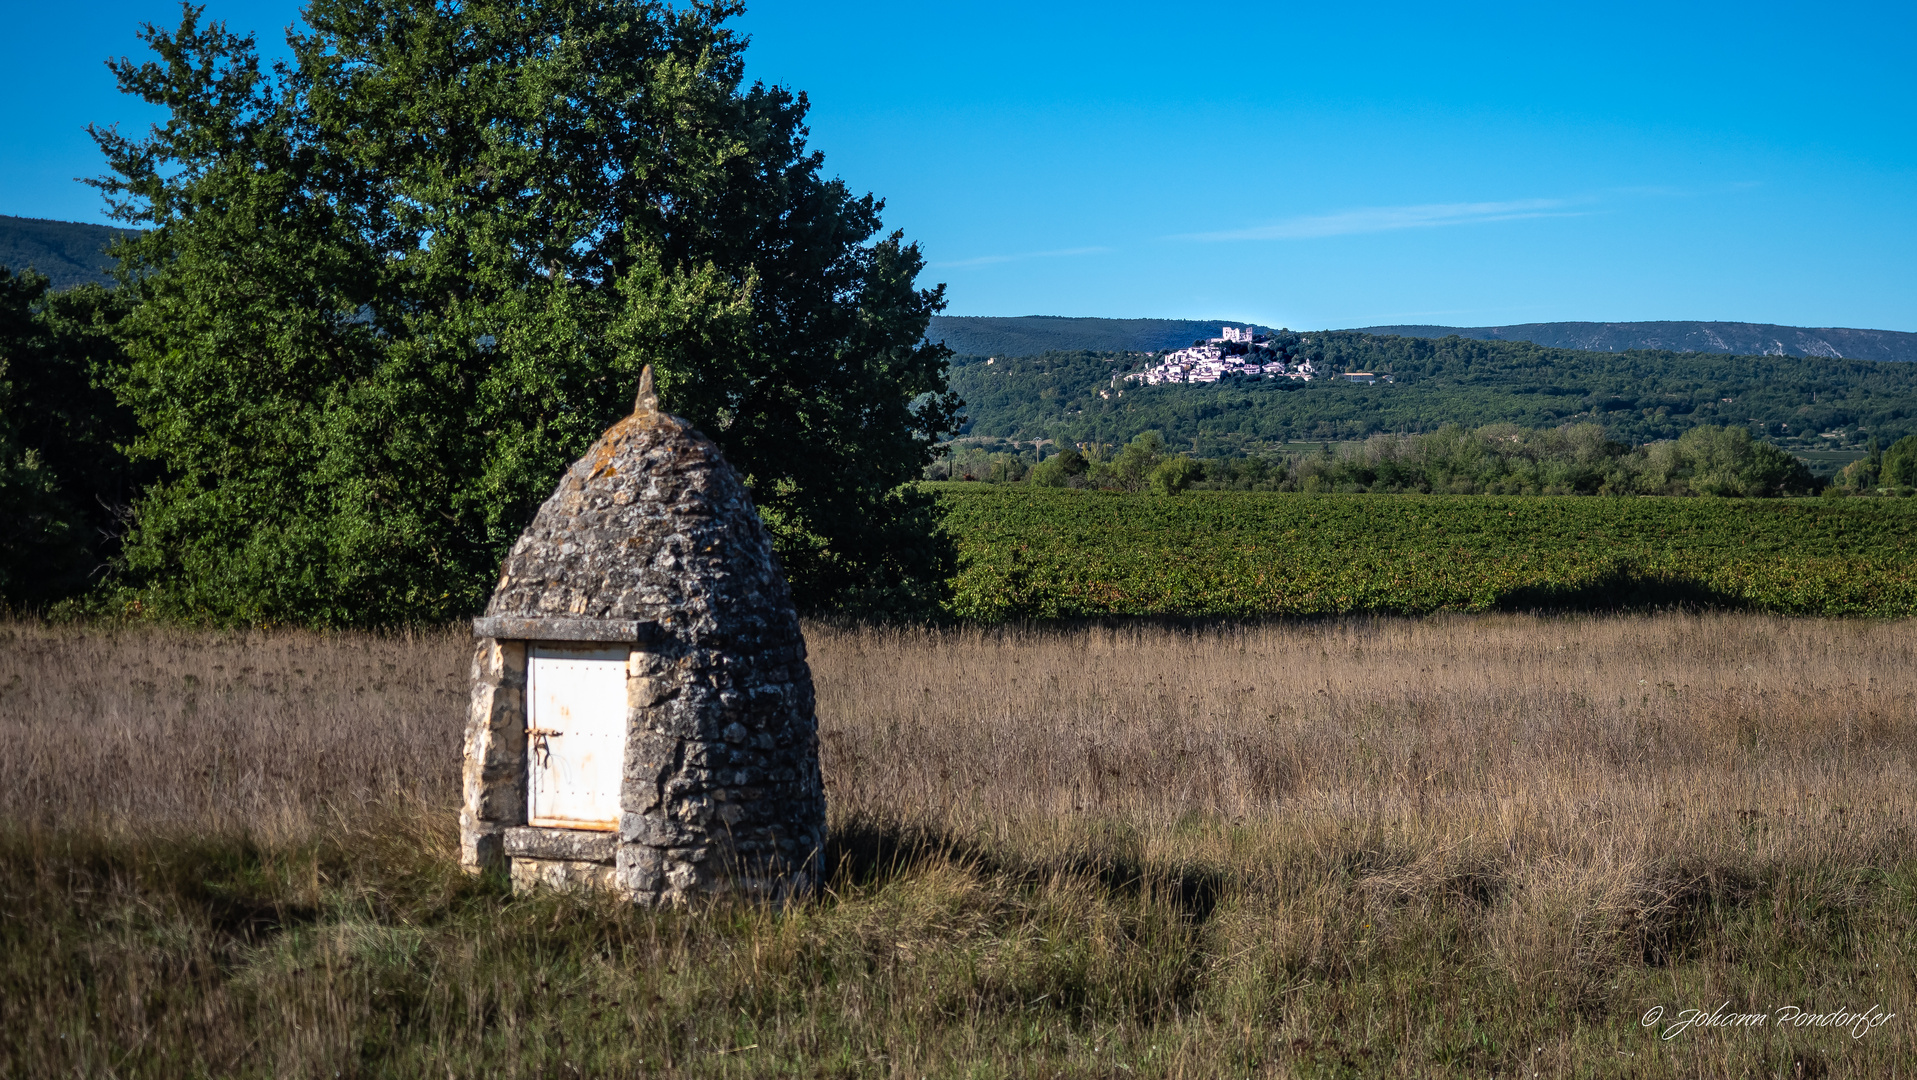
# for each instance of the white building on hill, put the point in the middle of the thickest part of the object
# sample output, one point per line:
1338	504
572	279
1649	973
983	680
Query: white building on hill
1237	353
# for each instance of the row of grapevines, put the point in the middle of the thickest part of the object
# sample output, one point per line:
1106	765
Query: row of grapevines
1050	553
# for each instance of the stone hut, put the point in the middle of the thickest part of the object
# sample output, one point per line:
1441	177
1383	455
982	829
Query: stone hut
642	714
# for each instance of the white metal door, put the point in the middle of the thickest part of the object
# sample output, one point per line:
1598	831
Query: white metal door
575	736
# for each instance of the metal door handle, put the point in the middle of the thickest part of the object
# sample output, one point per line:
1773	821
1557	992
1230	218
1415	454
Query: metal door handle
541	746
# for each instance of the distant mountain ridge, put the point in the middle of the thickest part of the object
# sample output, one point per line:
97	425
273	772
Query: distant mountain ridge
1029	335
1741	339
69	253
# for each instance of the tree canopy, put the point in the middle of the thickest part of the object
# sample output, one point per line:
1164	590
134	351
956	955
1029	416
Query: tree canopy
389	289
1498	459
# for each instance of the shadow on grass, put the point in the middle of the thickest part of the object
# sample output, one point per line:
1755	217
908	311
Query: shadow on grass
234	883
869	853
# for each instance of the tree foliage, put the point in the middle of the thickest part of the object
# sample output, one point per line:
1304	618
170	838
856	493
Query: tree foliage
1175	474
1890	469
1900	463
34	527
1501	459
64	482
1498	459
391	288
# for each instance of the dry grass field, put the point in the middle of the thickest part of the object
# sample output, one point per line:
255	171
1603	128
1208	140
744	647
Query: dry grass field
1458	846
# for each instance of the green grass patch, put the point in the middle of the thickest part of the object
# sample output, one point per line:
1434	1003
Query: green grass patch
370	955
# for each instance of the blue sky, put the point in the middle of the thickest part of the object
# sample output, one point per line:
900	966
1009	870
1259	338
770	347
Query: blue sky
1307	166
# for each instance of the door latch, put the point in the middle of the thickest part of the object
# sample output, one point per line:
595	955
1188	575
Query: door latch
542	747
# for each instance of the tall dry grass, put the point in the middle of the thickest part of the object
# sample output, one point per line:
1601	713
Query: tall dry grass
1446	846
160	727
1585	786
1528	727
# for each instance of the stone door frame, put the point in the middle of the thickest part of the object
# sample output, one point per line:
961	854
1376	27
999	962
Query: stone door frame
493	820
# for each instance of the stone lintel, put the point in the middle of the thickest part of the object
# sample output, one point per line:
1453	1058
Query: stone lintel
559	628
560	845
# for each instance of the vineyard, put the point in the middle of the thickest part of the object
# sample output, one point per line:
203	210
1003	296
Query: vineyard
1030	553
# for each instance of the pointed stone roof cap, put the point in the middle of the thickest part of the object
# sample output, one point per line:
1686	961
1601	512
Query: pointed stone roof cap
650	537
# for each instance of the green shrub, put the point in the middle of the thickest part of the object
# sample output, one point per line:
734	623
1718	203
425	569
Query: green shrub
1899	468
1174	475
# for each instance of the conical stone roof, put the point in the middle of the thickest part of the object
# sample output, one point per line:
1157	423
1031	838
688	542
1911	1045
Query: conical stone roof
650	535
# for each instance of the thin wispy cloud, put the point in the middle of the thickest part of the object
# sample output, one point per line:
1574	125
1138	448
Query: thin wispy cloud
987	260
1375	219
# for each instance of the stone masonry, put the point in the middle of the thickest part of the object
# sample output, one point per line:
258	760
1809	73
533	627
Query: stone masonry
652	544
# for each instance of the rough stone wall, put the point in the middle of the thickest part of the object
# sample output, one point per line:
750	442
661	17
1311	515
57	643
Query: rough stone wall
494	773
722	779
653	530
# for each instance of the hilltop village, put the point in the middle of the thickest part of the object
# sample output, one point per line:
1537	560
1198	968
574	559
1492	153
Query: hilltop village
1237	354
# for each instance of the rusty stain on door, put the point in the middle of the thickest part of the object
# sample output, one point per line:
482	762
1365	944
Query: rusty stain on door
575	736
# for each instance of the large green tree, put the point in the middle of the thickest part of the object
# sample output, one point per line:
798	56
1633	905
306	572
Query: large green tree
391	288
1898	464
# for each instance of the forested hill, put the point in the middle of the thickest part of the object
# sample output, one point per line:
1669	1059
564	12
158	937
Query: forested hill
67	252
1749	339
1637	397
1028	335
